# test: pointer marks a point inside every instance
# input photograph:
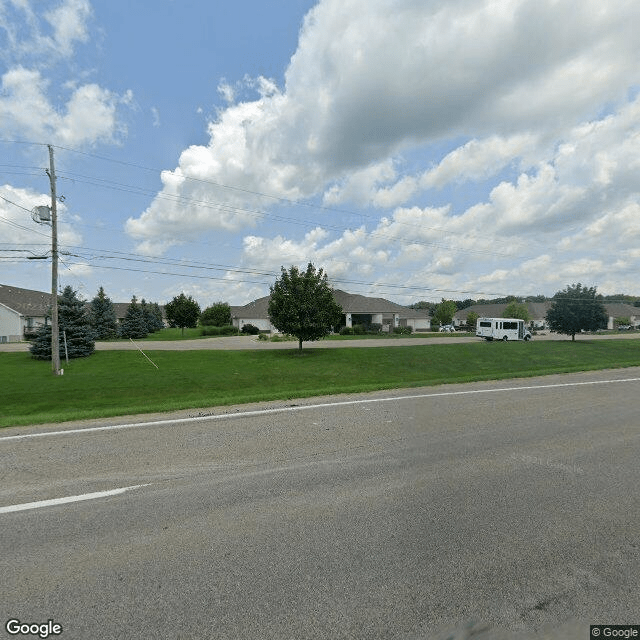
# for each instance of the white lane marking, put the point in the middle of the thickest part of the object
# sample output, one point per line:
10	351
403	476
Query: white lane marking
56	501
307	407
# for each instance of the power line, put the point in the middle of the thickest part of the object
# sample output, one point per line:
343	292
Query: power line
290	201
259	214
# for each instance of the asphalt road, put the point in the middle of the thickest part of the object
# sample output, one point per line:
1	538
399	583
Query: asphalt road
513	505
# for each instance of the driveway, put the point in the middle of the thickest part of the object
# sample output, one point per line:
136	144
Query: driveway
234	343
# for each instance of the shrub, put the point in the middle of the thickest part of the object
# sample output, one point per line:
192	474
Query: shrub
228	330
375	328
346	331
405	331
282	337
358	330
250	329
210	331
263	337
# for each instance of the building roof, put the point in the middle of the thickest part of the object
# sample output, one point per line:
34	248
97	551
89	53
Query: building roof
350	303
27	302
622	310
31	303
256	309
120	309
538	310
355	303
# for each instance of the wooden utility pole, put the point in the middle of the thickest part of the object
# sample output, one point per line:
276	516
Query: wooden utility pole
55	337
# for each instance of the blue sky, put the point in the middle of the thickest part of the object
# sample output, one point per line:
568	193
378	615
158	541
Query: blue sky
413	149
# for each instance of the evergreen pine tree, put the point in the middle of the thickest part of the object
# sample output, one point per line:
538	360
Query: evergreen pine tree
41	345
133	324
157	314
150	316
73	325
102	317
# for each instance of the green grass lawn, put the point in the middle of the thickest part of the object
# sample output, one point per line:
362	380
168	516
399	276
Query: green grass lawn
113	383
174	334
392	336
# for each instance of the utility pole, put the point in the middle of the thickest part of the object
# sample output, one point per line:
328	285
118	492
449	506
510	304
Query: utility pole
55	343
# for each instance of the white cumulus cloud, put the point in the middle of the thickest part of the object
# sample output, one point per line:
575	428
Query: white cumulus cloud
89	115
370	82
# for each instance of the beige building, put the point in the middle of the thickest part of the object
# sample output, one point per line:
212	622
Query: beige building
538	312
356	310
22	311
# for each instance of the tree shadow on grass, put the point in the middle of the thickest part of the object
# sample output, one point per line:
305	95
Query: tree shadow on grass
295	353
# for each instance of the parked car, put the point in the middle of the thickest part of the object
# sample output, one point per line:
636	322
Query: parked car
447	328
624	327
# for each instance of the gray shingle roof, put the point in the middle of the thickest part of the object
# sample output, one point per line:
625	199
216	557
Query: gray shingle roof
31	303
538	310
256	309
350	303
27	302
622	310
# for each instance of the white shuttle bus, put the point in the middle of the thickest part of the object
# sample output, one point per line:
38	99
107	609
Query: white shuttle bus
502	329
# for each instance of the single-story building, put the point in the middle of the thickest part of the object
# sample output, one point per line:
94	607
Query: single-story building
356	310
622	310
21	311
538	312
24	311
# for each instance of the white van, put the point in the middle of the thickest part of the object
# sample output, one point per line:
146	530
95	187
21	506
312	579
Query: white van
502	329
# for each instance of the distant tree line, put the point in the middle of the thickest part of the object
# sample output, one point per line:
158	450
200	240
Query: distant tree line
430	307
81	324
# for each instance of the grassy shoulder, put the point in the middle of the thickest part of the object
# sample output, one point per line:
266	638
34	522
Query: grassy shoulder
197	333
111	383
398	336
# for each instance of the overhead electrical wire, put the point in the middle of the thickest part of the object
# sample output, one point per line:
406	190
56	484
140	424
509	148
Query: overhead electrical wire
259	214
300	203
228	208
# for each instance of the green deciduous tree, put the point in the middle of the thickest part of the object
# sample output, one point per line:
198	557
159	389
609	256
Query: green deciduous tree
472	320
444	312
517	310
183	311
302	304
217	315
102	317
74	327
576	309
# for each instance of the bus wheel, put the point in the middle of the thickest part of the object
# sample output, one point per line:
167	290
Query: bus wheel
504	338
